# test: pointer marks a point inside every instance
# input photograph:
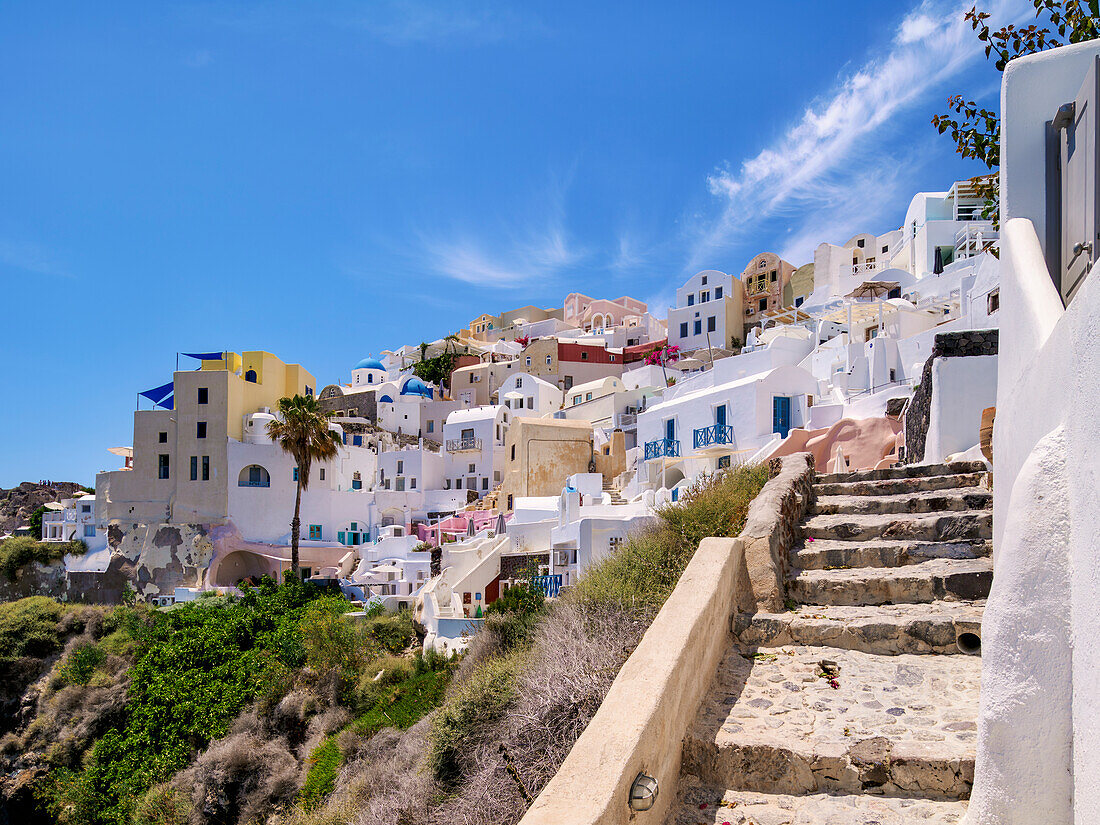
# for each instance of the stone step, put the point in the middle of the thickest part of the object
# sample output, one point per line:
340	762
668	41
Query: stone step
886	630
906	471
976	524
887	725
701	804
896	486
932	501
823	553
928	581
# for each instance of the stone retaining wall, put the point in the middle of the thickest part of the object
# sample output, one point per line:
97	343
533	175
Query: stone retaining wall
969	343
640	726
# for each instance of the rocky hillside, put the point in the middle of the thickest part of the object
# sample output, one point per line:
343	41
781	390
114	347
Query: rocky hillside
17	504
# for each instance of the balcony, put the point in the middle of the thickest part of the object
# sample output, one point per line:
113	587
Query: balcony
974	239
864	269
53	515
712	435
254	483
463	445
549	585
663	447
626	421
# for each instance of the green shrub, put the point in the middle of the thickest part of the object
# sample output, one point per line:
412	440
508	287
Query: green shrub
478	701
30	627
331	640
404	704
523	597
324	766
81	663
394	632
644	571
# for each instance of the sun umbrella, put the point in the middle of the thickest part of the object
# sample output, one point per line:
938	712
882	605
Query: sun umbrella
501	525
471	531
873	289
937	262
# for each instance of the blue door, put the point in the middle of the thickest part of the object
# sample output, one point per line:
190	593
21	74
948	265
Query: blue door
720	416
781	415
670	429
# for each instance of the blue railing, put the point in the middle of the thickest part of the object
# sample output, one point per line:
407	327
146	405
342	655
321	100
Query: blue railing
714	434
549	585
253	483
662	447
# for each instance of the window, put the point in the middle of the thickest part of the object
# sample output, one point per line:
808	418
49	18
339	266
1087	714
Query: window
473	468
859	243
576	399
993	301
485	483
163	438
684	330
704	281
798	301
527	360
691	300
774	276
315	532
509	502
357	441
710	324
431	425
588	397
89	531
200	429
513	452
206	468
400	467
309	392
370	378
723	462
894	293
356	481
763	304
697	328
893	375
704	297
530	403
204	395
584	356
162	465
250	376
885	249
519	382
412	483
194	468
294	474
717	292
569	382
85	508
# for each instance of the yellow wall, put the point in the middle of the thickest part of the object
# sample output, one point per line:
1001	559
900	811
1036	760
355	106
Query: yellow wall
274	380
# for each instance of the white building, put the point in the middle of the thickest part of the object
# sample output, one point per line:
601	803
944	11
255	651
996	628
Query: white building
530	394
708	312
473	444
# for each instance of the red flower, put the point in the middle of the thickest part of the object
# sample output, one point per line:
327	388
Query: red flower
702	806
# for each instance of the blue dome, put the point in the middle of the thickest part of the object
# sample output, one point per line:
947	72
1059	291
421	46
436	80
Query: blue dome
414	386
369	364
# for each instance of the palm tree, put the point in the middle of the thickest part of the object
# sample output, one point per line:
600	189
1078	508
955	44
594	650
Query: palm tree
301	429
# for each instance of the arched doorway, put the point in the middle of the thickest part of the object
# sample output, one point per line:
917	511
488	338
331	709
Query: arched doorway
238	565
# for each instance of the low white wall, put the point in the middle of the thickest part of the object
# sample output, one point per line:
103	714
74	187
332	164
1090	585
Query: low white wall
961	389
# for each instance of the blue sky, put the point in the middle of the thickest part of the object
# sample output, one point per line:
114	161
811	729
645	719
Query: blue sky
328	180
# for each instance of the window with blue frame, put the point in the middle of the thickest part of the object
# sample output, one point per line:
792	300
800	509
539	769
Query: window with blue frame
294	474
315	532
357	441
89	531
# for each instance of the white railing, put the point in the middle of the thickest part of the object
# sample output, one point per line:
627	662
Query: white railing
974	239
866	268
460	445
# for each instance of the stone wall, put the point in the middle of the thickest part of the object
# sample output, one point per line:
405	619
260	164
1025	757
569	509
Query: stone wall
516	565
918	413
37	579
641	724
354	405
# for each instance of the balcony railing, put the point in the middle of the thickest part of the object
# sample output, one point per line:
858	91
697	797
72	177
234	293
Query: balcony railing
463	445
626	421
975	238
866	268
253	483
55	515
549	585
662	447
714	434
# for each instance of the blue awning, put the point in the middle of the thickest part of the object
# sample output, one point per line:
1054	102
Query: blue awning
205	356
161	396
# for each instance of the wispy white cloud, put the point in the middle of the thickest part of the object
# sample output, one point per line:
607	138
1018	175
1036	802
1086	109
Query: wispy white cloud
31	257
509	264
831	149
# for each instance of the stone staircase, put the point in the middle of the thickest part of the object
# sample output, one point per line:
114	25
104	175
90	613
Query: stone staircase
610	489
856	705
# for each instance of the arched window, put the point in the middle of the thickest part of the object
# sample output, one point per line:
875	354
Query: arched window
370	378
250	376
254	476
